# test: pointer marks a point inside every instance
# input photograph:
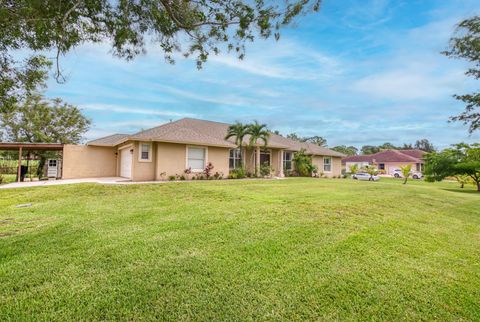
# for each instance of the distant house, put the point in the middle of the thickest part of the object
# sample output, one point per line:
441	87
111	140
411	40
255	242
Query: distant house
169	149
387	160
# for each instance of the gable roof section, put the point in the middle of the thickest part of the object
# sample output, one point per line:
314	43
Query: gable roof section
202	132
388	156
111	140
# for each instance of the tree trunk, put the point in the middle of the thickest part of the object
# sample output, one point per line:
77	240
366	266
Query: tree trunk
478	186
462	185
405	181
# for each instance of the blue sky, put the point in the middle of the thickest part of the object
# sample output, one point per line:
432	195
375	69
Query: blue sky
359	72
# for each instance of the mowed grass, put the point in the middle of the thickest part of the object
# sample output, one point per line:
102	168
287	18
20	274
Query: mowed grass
241	250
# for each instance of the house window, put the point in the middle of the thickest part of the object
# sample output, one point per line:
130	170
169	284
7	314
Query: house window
196	158
327	164
381	166
287	161
145	151
235	160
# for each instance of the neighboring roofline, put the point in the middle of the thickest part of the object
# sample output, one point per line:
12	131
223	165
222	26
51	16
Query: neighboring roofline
372	157
120	141
107	145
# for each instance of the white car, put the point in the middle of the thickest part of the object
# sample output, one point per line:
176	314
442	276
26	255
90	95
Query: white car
397	173
365	176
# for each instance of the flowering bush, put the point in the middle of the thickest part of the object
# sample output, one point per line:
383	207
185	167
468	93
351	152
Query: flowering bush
208	170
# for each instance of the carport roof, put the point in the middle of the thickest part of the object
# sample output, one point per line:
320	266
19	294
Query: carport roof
31	146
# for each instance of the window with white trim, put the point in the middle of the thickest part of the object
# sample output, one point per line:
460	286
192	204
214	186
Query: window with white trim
196	158
327	164
235	159
145	151
287	160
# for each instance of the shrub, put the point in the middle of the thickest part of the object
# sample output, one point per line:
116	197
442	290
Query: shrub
183	178
172	177
238	173
266	170
303	164
218	175
1	178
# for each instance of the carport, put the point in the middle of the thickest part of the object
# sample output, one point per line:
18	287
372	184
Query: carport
28	147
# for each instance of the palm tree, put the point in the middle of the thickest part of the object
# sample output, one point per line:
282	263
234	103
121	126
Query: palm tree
406	171
237	131
257	132
353	169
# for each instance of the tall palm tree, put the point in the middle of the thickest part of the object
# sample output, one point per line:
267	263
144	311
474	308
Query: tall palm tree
257	132
237	131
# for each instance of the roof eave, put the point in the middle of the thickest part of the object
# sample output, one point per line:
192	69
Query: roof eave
184	142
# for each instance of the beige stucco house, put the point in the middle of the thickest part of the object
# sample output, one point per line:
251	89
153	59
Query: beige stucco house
171	148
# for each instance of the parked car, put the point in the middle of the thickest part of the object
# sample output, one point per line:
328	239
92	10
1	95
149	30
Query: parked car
397	173
365	176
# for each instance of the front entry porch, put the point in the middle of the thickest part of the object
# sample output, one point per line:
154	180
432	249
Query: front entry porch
257	156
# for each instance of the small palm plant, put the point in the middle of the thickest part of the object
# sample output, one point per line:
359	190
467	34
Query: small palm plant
353	169
257	132
371	170
406	172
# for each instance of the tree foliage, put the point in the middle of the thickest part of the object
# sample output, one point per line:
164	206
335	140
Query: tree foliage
347	150
465	44
422	144
370	149
38	120
317	140
196	28
461	160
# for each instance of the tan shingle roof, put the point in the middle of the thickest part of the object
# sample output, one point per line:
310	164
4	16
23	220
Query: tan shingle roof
110	140
201	132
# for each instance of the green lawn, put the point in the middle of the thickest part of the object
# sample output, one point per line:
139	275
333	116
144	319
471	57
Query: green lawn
241	250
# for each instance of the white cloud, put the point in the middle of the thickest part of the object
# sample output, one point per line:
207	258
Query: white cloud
133	110
409	84
284	59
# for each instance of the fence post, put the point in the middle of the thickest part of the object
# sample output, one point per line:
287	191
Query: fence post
19	170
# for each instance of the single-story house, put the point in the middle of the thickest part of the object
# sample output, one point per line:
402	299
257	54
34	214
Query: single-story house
169	149
387	161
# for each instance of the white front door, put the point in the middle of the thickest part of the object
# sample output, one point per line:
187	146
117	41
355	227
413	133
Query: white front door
125	163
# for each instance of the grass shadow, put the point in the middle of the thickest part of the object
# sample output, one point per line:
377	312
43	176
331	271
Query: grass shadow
472	191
